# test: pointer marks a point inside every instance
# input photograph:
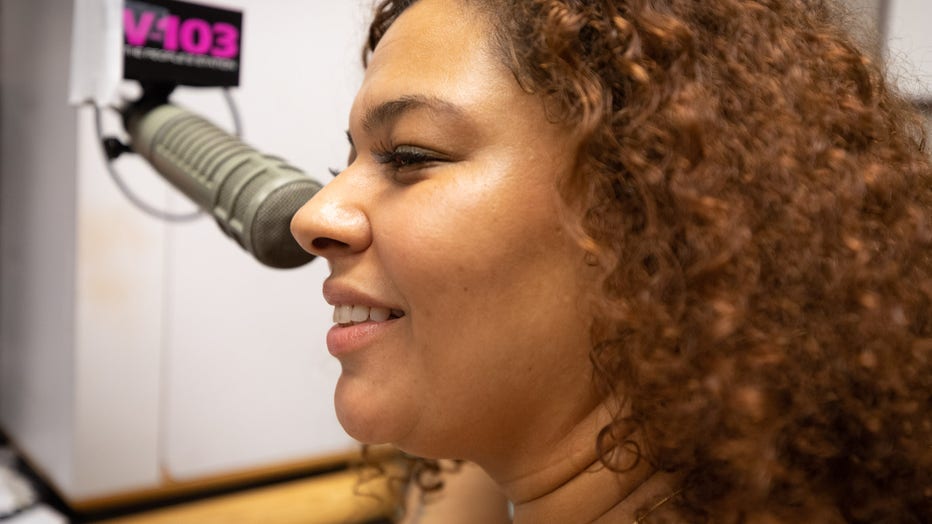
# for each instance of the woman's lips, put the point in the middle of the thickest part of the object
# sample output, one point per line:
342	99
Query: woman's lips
360	318
343	339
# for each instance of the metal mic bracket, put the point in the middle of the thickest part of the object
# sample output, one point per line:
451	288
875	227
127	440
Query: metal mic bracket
153	95
113	147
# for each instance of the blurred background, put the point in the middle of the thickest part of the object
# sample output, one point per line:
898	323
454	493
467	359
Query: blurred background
146	364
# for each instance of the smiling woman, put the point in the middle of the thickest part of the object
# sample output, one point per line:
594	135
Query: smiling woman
449	215
636	260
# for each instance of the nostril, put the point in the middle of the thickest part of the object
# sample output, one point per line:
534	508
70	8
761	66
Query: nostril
324	243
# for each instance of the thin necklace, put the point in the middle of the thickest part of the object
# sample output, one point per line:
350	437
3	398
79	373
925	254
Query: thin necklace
659	503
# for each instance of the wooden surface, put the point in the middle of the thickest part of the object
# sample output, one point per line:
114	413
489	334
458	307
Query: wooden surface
171	488
336	498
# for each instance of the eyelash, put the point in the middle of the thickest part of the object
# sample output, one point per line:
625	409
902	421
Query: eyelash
398	158
402	156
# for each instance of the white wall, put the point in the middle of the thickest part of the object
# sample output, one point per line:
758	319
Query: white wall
295	106
37	232
135	352
908	31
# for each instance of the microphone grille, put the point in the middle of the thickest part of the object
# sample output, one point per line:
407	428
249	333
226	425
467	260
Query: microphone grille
269	237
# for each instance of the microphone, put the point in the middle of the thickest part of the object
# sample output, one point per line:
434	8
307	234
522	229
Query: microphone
167	43
252	196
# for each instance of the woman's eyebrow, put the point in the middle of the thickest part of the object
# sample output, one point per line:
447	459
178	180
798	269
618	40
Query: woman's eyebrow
391	110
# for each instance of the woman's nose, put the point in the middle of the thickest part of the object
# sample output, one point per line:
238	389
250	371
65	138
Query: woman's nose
333	222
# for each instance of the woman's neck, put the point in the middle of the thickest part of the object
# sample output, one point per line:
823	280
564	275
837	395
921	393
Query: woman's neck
569	484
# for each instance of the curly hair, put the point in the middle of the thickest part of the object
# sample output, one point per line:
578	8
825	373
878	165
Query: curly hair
761	203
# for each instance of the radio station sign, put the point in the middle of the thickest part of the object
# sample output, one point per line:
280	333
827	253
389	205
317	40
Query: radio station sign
183	43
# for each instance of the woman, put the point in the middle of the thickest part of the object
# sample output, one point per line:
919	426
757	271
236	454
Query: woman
638	260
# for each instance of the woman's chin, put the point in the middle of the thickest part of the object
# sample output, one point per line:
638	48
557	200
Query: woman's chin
376	423
369	417
356	426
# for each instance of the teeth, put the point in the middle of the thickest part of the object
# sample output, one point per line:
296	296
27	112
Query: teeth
341	314
379	314
357	314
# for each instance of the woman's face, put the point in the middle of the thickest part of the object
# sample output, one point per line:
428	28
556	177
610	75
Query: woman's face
455	283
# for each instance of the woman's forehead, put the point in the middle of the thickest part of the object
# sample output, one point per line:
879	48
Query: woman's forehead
435	50
432	32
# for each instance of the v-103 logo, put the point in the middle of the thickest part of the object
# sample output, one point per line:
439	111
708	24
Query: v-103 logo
193	35
181	42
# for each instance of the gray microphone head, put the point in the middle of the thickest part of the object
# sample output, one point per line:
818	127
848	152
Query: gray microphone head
260	214
252	196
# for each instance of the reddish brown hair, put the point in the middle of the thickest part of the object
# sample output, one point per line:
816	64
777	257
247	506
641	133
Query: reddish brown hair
761	202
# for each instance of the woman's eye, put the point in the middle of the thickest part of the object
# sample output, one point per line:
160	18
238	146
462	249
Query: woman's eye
406	156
